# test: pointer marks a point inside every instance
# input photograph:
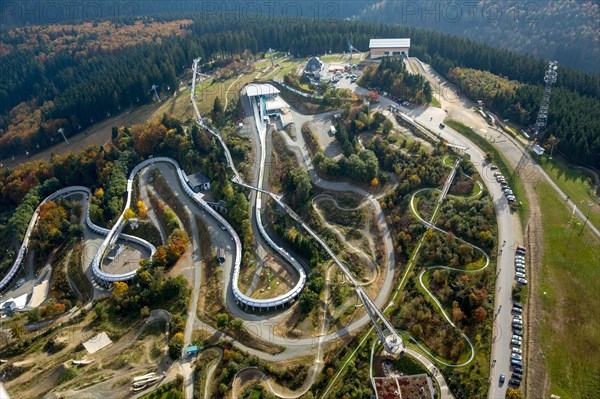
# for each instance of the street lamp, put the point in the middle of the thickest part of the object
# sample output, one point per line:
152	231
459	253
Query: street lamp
586	219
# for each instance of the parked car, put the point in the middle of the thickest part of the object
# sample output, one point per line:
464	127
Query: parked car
516	357
517	326
517	351
518	305
521	248
520	275
514	382
493	167
516	363
522	281
518	334
517	310
496	174
515	342
520	270
517	376
517	370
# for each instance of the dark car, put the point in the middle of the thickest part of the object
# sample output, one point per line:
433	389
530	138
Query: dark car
517	376
502	378
442	126
518	370
514	382
518	305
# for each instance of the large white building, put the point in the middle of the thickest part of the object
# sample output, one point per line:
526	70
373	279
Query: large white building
389	47
268	101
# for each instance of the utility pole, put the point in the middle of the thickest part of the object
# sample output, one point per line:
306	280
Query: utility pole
586	219
271	56
62	131
154	87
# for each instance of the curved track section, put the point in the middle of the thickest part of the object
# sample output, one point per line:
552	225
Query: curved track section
240	297
63	192
437	302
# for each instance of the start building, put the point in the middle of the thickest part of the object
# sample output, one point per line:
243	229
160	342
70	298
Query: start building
389	47
267	100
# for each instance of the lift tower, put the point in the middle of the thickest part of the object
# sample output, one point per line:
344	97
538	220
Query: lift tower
542	118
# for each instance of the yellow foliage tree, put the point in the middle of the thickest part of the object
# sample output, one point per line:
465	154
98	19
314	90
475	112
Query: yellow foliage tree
99	193
142	210
374	182
513	394
129	213
120	289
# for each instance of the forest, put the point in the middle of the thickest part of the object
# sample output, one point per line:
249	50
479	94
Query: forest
565	30
391	76
41	94
572	119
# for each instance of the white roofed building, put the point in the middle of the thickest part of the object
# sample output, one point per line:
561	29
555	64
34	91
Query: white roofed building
389	47
267	100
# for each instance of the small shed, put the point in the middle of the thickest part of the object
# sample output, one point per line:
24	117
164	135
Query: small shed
192	350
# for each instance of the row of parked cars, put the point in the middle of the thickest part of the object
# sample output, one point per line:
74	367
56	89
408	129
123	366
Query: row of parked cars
516	356
520	265
508	193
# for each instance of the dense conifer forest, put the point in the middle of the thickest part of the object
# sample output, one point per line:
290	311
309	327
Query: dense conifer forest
41	93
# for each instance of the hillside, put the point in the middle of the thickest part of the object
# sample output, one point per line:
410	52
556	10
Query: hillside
564	30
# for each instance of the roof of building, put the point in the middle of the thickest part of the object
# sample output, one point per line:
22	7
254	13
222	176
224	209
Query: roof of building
314	64
275	103
98	342
385	43
255	89
15	303
198	179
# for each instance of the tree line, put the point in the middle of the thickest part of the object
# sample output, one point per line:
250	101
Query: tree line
75	93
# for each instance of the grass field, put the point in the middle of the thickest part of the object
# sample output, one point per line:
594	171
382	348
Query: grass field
576	183
435	102
570	333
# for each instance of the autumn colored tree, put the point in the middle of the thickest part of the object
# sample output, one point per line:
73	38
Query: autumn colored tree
457	313
120	289
176	346
479	314
142	210
374	182
129	214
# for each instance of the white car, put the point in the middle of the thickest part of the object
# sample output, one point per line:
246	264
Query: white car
520	270
516	338
522	281
519	257
517	310
519	275
514	356
516	342
517	351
